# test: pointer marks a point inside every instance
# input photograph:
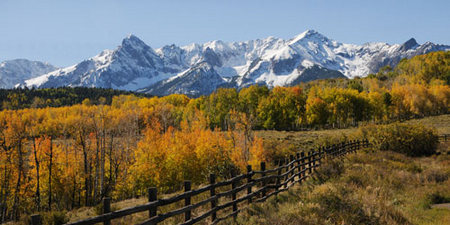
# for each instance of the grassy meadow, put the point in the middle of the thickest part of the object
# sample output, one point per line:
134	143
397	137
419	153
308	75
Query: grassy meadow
370	187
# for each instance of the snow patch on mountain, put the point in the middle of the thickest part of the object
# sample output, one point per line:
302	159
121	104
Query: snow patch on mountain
197	69
17	71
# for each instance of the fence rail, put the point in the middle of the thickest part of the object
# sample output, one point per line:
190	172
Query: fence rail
258	186
444	137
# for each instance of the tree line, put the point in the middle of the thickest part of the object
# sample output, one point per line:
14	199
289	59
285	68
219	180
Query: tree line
21	98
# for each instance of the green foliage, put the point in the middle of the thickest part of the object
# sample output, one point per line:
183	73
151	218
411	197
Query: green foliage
282	109
55	218
218	106
434	65
437	198
249	100
420	68
56	97
412	140
356	84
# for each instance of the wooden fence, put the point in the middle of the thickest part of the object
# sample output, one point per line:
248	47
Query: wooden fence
253	186
444	137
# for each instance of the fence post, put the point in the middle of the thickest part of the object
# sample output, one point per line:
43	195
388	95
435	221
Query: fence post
107	209
187	200
279	164
1	213
212	191
344	151
152	196
249	180
324	151
320	155
291	159
233	196
302	154
263	174
36	219
297	156
359	144
309	163
285	177
339	149
314	157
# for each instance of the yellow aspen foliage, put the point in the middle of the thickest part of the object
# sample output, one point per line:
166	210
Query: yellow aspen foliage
257	153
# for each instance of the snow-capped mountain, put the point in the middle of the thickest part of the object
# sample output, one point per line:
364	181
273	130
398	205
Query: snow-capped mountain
200	79
198	69
17	71
131	66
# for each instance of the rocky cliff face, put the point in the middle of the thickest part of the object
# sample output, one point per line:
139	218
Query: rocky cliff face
16	71
199	69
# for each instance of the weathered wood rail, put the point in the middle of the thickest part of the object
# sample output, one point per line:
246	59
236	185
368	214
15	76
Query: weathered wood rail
256	185
444	137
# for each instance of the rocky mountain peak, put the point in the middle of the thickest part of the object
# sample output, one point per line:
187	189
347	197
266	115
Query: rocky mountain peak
201	68
409	44
131	41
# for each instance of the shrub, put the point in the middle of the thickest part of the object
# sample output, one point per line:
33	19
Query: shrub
438	198
329	170
55	218
412	140
435	175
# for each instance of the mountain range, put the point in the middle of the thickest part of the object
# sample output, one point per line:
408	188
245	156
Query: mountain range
199	69
16	71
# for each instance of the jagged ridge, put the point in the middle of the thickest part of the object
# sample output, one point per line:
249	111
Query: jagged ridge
199	69
17	71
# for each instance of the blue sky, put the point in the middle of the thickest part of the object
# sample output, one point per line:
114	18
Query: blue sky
65	32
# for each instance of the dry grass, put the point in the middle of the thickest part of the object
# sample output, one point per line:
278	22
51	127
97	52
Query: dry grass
284	143
371	188
440	123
